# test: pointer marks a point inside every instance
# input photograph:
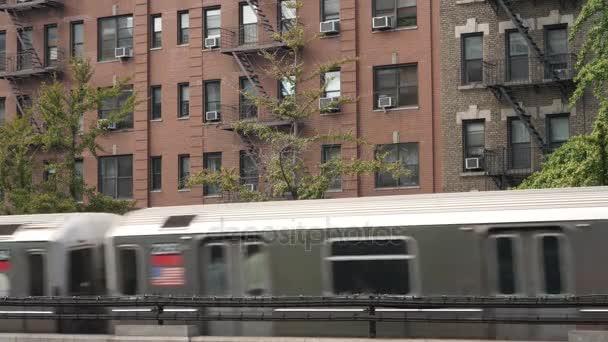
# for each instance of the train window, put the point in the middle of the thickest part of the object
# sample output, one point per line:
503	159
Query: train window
81	272
551	263
255	264
371	266
505	258
216	276
37	273
128	271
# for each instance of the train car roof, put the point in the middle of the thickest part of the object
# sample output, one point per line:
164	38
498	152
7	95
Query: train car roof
470	208
55	227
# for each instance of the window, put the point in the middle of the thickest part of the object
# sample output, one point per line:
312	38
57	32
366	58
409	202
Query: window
329	153
216	275
505	260
288	14
114	32
116	176
213	22
184	100
402	12
474	138
472	58
400	83
37	274
559	130
156	107
248	170
248	109
183	27
24	103
213	162
79	172
249	25
81	278
212	96
25	48
156	169
113	105
51	42
407	154
178	221
517	57
48	171
156	22
2	109
128	271
379	265
255	269
551	263
556	39
183	170
77	39
287	87
331	80
2	50
519	145
330	10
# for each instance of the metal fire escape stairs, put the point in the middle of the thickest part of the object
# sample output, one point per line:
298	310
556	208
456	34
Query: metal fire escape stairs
505	93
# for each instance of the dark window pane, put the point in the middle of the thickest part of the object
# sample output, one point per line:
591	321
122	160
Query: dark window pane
474	140
81	272
473	58
212	96
212	23
216	275
183	170
371	276
37	274
212	162
183	28
77	39
178	221
156	173
506	265
331	10
369	247
552	264
559	130
128	271
407	154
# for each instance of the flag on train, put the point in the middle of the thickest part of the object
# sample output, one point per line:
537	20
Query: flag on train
5	260
167	264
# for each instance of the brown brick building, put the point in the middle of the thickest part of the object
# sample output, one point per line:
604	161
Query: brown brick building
167	47
507	74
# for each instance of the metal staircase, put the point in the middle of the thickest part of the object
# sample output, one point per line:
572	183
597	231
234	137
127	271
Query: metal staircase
259	13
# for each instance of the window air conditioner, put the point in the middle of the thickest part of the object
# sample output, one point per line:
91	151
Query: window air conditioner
330	26
249	187
473	163
123	52
328	105
212	116
385	102
382	23
212	42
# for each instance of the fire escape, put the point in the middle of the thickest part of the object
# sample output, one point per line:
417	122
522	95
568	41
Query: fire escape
543	71
26	63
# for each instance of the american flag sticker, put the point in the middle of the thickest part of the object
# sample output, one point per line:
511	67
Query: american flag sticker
5	260
167	268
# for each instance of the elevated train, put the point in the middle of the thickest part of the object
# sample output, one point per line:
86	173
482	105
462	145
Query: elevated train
532	243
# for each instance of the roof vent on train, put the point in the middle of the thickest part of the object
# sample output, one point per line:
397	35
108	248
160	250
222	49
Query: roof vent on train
8	229
178	221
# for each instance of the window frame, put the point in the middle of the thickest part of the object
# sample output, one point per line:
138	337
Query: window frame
43	255
183	110
565	266
245	103
412	256
206	187
465	137
100	179
2	110
154	115
138	266
284	23
181	175
116	19
183	33
397	68
509	58
73	43
206	21
338	179
206	96
129	119
48	47
395	14
153	186
154	32
398	181
324	84
464	61
3	51
511	149
243	178
328	16
548	118
517	243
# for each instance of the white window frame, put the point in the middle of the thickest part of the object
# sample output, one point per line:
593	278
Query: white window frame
493	253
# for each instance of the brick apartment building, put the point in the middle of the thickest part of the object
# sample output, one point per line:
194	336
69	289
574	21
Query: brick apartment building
182	73
507	73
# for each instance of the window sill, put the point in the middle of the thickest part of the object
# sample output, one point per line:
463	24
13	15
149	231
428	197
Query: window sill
122	130
397	109
212	123
407	28
331	114
155	191
115	60
156	48
333	191
212	196
473	174
471	86
183	190
212	49
184	118
398	188
329	36
183	45
156	120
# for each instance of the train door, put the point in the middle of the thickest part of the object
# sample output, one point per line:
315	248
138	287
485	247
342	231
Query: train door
234	268
531	262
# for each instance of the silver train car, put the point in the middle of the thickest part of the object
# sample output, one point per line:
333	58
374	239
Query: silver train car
532	243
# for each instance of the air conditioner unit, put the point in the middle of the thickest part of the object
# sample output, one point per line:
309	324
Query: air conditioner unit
212	42
382	23
106	124
249	187
327	104
473	163
385	102
330	26
212	116
123	52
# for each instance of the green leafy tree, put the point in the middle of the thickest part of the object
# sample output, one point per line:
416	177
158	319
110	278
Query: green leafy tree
53	130
279	152
583	160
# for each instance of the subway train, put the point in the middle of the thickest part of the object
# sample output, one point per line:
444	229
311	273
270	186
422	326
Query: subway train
509	243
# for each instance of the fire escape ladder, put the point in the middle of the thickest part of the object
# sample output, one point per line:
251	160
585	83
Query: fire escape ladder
507	7
247	67
262	18
507	96
24	40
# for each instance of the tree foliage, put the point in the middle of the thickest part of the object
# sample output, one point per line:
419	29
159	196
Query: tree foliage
279	153
583	160
52	131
